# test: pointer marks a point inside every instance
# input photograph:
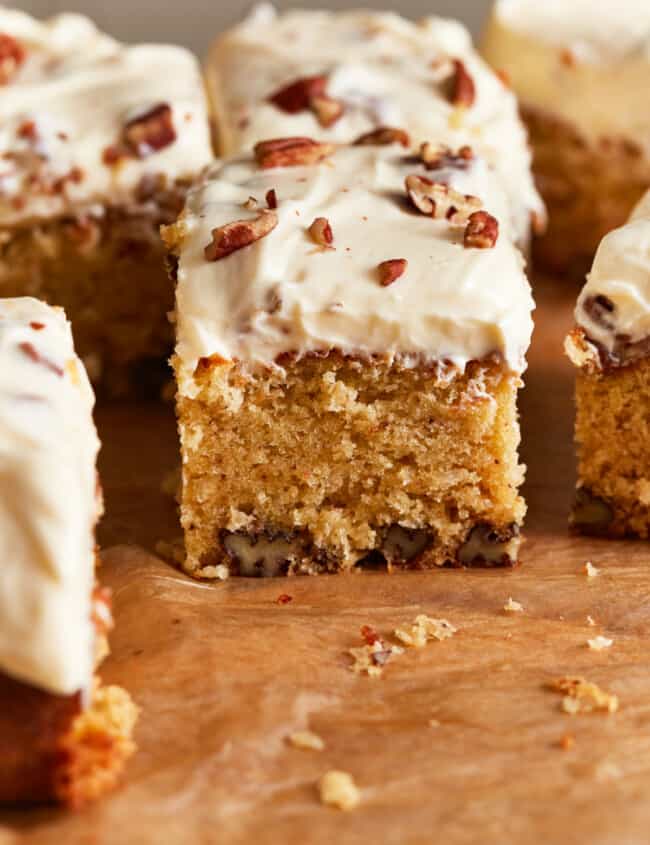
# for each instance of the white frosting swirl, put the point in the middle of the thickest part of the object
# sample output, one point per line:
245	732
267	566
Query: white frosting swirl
284	294
621	274
78	87
587	63
386	70
48	500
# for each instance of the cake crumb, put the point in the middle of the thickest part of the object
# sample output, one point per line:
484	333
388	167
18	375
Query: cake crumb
512	606
338	789
370	659
599	643
434	723
567	742
284	598
306	740
590	570
581	696
591	621
425	628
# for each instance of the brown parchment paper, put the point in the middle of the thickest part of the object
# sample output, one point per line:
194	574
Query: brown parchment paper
223	673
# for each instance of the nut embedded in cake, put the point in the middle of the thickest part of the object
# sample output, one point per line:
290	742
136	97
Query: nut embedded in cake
581	71
99	144
64	736
347	390
610	346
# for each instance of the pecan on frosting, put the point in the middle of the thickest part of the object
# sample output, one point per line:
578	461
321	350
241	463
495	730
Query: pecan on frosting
12	55
234	236
290	152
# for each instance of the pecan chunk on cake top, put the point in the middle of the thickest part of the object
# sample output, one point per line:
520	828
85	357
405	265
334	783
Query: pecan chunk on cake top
348	363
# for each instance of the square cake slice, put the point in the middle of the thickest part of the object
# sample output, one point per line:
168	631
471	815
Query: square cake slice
351	332
334	76
610	346
581	71
64	737
98	142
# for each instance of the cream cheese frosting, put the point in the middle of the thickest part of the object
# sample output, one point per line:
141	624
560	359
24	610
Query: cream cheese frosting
285	294
48	501
385	70
614	305
64	109
585	62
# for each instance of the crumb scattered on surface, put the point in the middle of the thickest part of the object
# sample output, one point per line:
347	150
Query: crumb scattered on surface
417	634
591	621
307	740
581	696
599	643
512	606
285	598
338	789
607	771
434	723
371	659
567	742
590	570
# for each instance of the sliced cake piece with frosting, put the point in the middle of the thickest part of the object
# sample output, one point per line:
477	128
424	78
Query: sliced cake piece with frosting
336	75
64	736
581	70
351	329
98	143
610	346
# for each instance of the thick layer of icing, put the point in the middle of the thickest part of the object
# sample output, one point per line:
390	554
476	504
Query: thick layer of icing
620	275
67	104
385	70
285	294
587	63
48	501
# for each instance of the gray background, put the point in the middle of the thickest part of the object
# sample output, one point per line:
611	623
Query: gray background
194	22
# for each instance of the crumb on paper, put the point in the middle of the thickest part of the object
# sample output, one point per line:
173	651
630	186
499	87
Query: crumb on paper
567	742
591	621
338	789
581	696
600	643
371	659
172	551
307	740
417	634
512	606
590	570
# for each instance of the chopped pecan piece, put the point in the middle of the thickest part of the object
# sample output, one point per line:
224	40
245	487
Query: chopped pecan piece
489	545
437	156
391	270
327	110
297	96
439	200
321	232
32	353
27	130
462	91
150	132
599	309
233	236
12	55
482	231
291	152
272	199
383	137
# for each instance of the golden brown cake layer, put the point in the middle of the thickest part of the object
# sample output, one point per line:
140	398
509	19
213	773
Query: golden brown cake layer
589	189
107	270
52	750
336	461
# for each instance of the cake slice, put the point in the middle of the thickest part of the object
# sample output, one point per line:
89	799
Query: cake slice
610	346
581	70
334	76
351	330
98	144
64	737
